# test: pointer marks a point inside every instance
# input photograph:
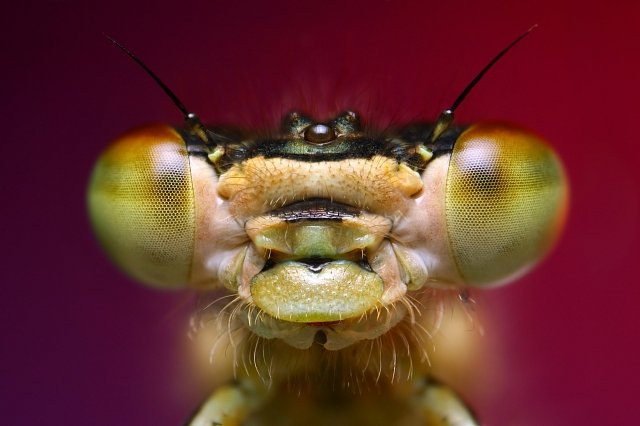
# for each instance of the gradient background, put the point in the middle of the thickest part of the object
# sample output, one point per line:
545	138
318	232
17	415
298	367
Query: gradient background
81	344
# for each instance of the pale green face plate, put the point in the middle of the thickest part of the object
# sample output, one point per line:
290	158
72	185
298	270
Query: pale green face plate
293	292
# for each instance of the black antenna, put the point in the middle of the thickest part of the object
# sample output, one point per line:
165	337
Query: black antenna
446	116
192	119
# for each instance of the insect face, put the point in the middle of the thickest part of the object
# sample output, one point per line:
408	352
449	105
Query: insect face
324	227
333	242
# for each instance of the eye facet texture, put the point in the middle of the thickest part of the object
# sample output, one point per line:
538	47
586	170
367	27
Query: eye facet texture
506	200
141	204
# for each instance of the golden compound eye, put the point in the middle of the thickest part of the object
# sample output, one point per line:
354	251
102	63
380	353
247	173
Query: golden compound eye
506	200
141	205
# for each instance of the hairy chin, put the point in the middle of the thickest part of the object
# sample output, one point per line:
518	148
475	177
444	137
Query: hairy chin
227	348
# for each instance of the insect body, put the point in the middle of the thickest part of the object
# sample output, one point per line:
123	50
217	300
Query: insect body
334	241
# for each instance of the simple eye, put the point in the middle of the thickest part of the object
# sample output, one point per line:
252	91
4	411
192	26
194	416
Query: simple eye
141	204
506	200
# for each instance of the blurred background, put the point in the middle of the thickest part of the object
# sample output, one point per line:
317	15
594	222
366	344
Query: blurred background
82	344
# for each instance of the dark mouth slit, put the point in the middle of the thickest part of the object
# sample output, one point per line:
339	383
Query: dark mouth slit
315	209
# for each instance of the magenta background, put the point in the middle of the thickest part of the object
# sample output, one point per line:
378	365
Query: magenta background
81	344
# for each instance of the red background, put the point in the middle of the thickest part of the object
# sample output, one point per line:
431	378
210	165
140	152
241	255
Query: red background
83	345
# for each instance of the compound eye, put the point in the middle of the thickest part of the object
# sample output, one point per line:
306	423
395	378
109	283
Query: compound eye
506	201
141	204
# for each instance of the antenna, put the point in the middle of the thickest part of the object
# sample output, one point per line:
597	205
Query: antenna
192	120
446	117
